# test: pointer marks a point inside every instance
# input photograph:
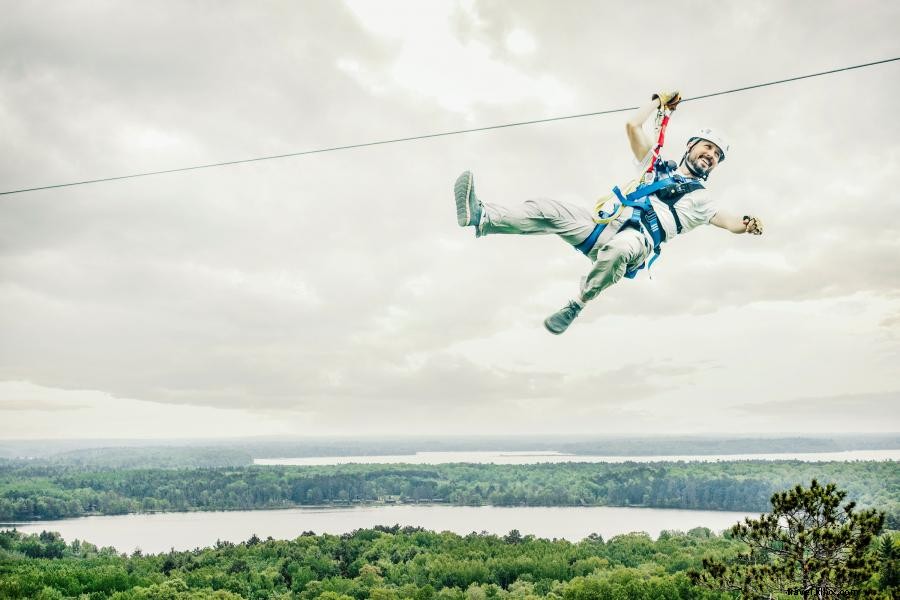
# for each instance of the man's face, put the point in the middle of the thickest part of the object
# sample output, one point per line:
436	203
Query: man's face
703	157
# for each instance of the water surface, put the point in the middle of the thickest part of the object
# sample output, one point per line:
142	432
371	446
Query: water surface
544	456
159	532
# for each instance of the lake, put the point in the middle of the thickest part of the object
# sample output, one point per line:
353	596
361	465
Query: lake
544	456
154	533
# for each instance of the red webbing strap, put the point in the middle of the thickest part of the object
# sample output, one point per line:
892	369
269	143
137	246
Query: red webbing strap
659	142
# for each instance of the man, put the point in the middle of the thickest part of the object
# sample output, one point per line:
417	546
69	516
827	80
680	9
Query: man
637	222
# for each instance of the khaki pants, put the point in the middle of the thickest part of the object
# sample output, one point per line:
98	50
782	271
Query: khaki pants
628	249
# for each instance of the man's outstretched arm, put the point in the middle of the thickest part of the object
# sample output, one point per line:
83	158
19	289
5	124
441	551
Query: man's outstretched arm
735	224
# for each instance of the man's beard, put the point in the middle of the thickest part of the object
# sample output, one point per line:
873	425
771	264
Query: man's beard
697	169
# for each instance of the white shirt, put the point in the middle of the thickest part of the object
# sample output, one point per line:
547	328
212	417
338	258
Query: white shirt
694	209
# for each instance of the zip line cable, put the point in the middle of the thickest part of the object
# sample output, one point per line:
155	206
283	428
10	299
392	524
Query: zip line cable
440	134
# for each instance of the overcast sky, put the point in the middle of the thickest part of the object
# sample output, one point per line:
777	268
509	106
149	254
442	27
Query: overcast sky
335	294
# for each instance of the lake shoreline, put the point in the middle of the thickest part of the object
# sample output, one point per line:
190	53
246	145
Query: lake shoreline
345	506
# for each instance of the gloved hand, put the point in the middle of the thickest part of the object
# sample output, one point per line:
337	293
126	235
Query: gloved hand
668	99
754	225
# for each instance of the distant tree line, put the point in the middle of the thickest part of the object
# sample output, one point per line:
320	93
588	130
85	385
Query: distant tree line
144	457
584	445
186	453
32	492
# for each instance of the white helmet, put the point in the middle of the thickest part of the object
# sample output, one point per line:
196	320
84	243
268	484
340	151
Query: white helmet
710	135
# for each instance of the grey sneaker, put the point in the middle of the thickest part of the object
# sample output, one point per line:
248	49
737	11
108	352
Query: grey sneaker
561	319
468	207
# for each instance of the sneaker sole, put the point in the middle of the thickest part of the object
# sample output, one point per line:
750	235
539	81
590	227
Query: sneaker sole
553	331
462	190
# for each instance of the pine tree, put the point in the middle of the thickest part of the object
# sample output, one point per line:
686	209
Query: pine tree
889	559
809	546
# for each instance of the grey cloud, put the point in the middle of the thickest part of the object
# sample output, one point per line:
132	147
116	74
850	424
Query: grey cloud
884	406
342	278
891	322
39	405
236	84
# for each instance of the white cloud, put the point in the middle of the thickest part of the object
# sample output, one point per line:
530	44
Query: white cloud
334	292
432	61
520	41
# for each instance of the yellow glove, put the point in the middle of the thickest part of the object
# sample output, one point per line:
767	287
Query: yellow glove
668	99
754	225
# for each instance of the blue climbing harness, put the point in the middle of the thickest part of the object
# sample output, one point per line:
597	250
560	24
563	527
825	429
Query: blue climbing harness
669	187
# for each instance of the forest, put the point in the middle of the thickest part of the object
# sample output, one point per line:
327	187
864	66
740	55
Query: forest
386	563
45	491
